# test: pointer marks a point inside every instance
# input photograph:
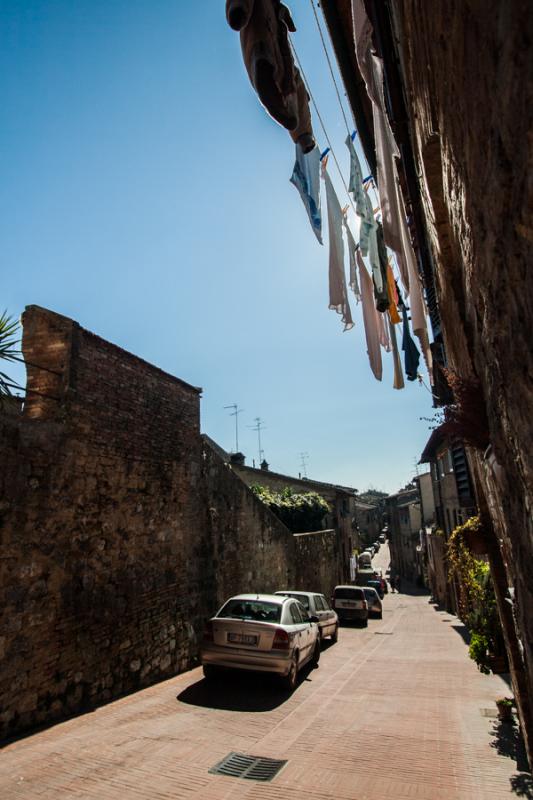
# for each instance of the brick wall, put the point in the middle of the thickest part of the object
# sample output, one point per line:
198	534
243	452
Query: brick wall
469	90
121	531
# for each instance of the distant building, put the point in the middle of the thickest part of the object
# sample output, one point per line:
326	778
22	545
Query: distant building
368	521
454	502
403	514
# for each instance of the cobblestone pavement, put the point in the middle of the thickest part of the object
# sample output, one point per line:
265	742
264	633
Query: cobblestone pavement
394	711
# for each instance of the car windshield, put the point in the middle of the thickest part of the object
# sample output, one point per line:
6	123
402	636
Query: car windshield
257	610
370	594
302	598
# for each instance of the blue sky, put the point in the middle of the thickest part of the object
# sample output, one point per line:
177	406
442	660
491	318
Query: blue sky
145	193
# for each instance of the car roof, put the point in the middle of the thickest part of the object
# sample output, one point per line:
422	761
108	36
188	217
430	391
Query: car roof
271	598
347	586
296	592
369	589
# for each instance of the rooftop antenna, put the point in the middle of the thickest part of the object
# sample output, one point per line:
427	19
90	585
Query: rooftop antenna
258	427
304	457
235	413
416	465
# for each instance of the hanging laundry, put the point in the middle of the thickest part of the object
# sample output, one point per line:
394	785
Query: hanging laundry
392	291
264	27
355	185
412	354
383	331
338	293
306	178
370	319
352	249
398	382
368	224
380	287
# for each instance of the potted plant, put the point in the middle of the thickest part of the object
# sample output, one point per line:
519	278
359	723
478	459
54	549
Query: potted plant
505	708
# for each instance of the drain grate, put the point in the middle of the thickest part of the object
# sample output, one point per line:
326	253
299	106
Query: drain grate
253	768
383	633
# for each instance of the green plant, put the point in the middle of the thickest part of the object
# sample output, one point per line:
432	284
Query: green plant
477	601
300	512
8	349
505	701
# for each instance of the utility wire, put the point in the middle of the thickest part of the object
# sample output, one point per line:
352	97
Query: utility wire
330	66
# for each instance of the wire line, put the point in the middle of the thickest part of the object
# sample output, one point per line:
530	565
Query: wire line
330	66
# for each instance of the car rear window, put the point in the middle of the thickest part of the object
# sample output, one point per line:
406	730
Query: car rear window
257	610
302	598
349	594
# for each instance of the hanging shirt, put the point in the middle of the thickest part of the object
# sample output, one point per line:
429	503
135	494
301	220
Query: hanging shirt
352	249
370	320
380	284
306	178
338	293
412	354
398	382
393	296
355	185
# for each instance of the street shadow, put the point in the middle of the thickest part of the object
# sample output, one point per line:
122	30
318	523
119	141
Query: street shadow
236	690
509	743
462	630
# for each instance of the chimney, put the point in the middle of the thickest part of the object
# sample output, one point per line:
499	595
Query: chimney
264	465
238	459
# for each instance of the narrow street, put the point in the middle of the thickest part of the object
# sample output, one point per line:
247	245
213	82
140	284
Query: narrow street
396	710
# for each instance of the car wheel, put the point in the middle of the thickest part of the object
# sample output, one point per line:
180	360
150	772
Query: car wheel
335	635
210	672
289	681
316	653
365	623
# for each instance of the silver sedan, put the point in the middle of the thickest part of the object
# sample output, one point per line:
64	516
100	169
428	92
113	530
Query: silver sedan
263	633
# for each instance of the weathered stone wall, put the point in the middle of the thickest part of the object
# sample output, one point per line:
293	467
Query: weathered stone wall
250	550
121	530
319	562
468	80
102	535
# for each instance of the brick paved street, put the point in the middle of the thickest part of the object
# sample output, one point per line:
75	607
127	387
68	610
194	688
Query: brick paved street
393	711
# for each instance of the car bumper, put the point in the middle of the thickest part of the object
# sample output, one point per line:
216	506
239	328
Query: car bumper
352	613
234	658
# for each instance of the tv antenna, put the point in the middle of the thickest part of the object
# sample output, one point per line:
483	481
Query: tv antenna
303	465
259	427
235	413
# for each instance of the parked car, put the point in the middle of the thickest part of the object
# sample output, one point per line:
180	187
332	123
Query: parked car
317	605
263	633
377	584
350	604
382	538
365	559
375	607
376	546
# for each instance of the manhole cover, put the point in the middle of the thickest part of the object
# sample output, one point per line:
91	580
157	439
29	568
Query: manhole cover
382	633
489	712
253	768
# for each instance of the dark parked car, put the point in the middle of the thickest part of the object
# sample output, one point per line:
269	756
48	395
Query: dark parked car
375	608
378	586
350	604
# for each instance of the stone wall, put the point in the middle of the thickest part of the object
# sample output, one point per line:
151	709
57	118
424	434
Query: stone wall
103	539
468	82
121	530
250	550
319	562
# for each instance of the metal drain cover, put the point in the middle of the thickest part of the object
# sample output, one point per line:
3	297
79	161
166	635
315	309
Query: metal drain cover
383	633
253	768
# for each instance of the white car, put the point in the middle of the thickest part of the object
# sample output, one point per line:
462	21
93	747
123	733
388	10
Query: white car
316	605
263	633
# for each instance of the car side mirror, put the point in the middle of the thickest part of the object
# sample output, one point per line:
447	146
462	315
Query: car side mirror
313	618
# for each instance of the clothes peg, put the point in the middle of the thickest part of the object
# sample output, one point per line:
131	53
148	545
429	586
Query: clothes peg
324	154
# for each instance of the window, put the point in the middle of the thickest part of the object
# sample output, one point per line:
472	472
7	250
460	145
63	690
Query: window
318	602
257	610
325	603
296	616
302	598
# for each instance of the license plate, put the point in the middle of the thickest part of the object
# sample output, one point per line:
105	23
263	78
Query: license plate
242	638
